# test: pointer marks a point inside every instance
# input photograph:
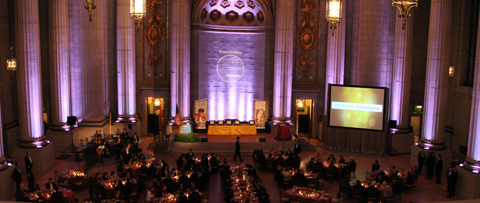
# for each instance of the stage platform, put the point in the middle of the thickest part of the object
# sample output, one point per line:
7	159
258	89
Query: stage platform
225	145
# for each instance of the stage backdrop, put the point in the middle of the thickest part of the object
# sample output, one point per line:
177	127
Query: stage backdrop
231	71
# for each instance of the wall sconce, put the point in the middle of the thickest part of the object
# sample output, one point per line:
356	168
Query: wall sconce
138	10
451	71
334	13
11	62
404	7
90	6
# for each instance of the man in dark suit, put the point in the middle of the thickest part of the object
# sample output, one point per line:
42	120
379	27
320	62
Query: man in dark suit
430	163
452	177
421	161
237	150
50	184
28	164
439	169
17	175
298	148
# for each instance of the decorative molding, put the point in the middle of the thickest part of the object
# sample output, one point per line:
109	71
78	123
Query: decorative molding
156	33
306	41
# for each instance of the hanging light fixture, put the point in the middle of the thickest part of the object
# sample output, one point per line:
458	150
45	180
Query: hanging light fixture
404	7
138	10
11	62
90	6
334	13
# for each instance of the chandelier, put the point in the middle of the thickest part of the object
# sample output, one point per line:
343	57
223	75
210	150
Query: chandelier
404	7
334	13
11	62
90	6
138	10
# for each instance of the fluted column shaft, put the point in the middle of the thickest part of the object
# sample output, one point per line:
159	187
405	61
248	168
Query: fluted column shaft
59	62
473	155
371	45
436	82
29	80
283	61
125	61
336	55
401	75
180	59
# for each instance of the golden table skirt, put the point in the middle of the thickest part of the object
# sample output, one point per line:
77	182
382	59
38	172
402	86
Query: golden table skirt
235	130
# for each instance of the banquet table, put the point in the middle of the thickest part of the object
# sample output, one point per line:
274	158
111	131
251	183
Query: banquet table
235	130
307	195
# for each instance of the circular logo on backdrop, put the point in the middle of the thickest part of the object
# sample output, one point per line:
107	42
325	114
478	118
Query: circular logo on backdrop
230	68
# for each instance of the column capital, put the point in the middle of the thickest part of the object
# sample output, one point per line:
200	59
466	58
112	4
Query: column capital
431	145
36	144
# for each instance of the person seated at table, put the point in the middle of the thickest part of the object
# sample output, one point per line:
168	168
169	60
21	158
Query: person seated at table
34	187
311	165
183	179
129	174
345	188
57	196
277	174
290	161
379	178
279	161
182	198
66	185
358	189
271	154
386	190
141	158
128	188
397	186
410	179
176	171
342	160
50	184
332	170
194	197
105	176
113	175
414	171
299	178
331	159
375	166
372	191
190	154
22	193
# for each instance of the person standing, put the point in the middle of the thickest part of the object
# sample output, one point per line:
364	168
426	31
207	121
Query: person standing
439	169
237	150
421	161
17	175
298	148
430	163
28	164
452	182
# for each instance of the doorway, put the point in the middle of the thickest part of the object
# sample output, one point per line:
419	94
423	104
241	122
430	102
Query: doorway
303	117
155	115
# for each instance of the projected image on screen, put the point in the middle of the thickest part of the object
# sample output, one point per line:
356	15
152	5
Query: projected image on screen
356	107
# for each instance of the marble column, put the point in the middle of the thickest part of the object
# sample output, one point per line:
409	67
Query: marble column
401	75
126	83
59	64
371	43
29	80
283	61
473	154
336	55
180	60
2	155
436	81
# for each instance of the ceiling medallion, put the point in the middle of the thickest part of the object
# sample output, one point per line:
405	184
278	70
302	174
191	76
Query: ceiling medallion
225	3
239	4
260	16
215	15
251	4
248	16
232	15
213	2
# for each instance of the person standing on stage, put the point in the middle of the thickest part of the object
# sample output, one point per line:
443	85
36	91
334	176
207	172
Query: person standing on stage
28	164
237	150
421	161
